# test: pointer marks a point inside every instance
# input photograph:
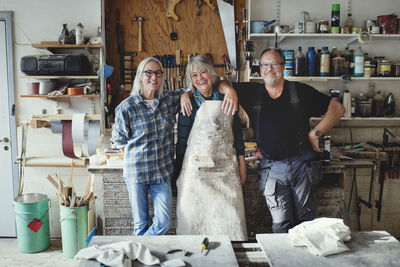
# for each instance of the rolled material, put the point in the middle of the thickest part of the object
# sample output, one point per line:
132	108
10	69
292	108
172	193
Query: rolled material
67	142
54	162
93	136
75	91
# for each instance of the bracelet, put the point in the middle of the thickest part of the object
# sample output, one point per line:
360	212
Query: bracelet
316	132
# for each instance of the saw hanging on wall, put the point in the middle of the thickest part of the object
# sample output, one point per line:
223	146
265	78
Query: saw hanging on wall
173	3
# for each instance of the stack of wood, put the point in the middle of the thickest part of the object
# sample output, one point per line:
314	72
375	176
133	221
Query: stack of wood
66	193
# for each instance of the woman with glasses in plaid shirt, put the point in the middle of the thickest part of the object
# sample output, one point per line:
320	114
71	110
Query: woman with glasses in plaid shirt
143	129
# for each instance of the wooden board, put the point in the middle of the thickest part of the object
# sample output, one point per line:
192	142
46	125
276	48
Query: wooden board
377	248
222	253
196	34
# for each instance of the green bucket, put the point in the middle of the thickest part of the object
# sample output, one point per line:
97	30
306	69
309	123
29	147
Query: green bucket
74	229
32	219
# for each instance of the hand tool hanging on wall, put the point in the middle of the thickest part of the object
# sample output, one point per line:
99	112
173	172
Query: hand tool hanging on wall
198	7
171	9
227	14
140	33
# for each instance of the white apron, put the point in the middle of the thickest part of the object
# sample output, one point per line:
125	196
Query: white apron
210	199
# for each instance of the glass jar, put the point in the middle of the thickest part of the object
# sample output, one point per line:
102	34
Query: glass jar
367	69
338	66
385	68
396	69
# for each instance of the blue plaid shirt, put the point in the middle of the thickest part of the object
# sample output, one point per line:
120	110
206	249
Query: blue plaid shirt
148	137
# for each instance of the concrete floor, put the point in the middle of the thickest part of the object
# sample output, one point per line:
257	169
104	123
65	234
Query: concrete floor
10	255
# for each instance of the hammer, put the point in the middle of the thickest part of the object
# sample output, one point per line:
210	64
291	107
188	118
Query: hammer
140	19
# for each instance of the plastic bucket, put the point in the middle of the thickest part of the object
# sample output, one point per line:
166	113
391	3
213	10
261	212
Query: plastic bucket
74	229
32	219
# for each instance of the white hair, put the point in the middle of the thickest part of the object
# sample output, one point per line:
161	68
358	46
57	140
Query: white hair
137	83
199	62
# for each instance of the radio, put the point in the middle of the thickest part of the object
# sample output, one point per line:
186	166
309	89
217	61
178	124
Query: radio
55	65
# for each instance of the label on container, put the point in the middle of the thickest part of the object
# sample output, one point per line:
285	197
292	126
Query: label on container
289	64
358	65
288	72
324	66
289	54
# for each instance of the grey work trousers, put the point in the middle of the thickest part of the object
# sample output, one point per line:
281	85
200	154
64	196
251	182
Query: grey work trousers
289	187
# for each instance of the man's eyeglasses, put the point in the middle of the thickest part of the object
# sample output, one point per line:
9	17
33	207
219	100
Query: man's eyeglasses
273	65
149	73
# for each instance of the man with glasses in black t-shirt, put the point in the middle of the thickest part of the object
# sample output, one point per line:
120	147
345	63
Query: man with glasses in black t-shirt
280	111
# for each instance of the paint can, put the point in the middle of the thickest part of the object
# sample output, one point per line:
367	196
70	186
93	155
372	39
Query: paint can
74	229
32	221
289	54
288	72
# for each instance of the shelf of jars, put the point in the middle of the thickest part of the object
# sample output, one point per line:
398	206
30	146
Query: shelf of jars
349	37
328	78
370	122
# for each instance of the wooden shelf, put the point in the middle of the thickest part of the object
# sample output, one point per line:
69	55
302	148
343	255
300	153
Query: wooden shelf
322	35
60	77
362	122
60	96
46	45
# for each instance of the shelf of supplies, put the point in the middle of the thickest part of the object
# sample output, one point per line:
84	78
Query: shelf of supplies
60	96
46	45
324	79
362	122
60	77
349	38
321	35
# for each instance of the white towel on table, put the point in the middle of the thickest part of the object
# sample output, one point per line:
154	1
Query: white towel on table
120	254
322	236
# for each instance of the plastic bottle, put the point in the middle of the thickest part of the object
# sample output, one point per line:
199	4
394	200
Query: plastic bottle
378	105
347	104
325	62
349	22
335	18
79	34
371	92
347	57
299	63
358	63
312	61
318	62
353	107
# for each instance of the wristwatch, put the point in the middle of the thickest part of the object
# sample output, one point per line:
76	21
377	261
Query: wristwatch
316	132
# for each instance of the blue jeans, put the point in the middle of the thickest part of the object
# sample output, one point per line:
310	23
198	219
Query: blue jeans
161	195
289	187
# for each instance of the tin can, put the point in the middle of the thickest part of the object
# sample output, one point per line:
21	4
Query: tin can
289	54
289	64
367	69
385	68
288	72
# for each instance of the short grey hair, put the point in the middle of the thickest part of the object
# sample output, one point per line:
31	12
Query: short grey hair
199	62
137	83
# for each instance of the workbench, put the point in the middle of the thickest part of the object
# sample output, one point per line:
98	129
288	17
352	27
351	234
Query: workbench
377	248
220	251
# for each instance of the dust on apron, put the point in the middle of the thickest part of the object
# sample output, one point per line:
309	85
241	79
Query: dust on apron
210	199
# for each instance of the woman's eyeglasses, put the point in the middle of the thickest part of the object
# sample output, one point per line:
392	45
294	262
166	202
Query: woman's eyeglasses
149	73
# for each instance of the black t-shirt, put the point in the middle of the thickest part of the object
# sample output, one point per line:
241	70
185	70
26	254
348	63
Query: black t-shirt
283	128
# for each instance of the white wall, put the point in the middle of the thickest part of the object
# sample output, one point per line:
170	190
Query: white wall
33	22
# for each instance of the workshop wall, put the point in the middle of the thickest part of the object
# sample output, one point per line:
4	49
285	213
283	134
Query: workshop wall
196	34
33	22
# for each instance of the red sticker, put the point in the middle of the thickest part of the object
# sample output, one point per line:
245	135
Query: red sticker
35	225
